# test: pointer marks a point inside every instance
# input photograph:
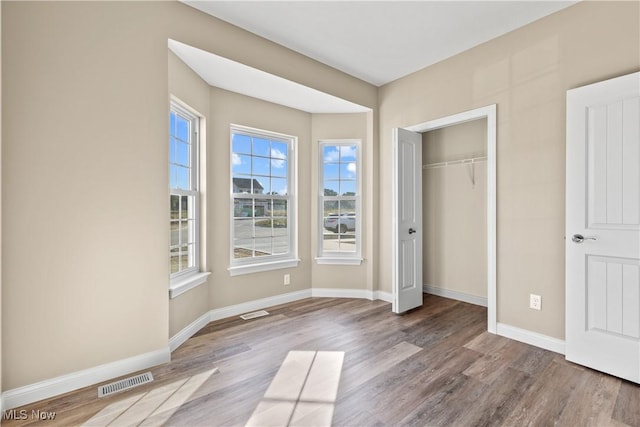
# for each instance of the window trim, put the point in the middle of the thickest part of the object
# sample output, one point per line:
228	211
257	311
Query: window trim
191	277
337	257
268	262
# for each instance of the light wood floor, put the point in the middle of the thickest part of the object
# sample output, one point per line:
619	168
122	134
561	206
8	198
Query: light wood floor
433	366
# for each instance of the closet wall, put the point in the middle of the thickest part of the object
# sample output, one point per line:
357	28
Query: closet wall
454	212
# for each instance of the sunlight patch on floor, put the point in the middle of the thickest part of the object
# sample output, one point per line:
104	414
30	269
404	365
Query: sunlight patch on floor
303	392
153	407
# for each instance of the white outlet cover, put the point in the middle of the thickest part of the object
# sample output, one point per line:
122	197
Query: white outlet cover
535	302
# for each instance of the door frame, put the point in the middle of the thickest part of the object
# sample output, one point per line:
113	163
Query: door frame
490	114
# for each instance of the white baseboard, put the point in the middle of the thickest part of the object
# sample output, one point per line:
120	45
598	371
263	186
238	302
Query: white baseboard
384	296
178	339
460	296
76	380
259	304
533	338
341	293
352	293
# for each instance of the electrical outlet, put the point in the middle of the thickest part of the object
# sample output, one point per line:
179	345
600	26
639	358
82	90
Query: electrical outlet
535	302
287	279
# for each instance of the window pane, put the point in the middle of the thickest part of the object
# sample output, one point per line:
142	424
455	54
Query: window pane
174	260
279	150
172	150
280	227
241	164
262	208
263	227
182	180
279	186
348	153
280	245
242	185
348	206
261	166
347	188
184	233
347	170
330	153
262	246
261	147
184	257
280	208
184	207
174	202
242	208
279	168
182	153
260	185
172	123
175	233
182	131
243	248
331	187
241	144
173	176
243	228
331	171
347	243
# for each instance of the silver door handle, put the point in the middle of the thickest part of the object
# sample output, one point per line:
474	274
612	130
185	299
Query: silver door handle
411	231
579	238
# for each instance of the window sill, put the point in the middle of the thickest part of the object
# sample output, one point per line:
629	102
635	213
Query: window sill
329	260
238	270
183	284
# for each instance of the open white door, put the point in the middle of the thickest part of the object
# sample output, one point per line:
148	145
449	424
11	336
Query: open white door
407	221
603	227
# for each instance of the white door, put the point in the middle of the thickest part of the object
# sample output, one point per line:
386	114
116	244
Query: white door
603	227
407	224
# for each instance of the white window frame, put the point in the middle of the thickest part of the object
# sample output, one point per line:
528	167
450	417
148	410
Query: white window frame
338	257
186	279
268	262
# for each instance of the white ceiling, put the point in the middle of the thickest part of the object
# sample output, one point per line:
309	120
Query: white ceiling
230	75
379	41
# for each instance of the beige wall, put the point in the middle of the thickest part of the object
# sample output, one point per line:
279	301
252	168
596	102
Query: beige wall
339	126
185	84
526	73
84	177
454	212
84	187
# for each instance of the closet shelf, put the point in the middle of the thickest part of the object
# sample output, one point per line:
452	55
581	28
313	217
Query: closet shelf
468	161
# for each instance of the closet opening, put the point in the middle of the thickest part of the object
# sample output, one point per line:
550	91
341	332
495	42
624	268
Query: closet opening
454	244
454	211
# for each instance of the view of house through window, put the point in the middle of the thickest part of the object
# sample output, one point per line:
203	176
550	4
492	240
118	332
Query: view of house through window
340	206
262	200
183	190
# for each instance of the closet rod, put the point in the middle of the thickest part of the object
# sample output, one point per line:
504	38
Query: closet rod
455	162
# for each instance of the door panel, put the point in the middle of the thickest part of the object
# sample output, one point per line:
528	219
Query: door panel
407	260
613	297
407	227
603	206
612	139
